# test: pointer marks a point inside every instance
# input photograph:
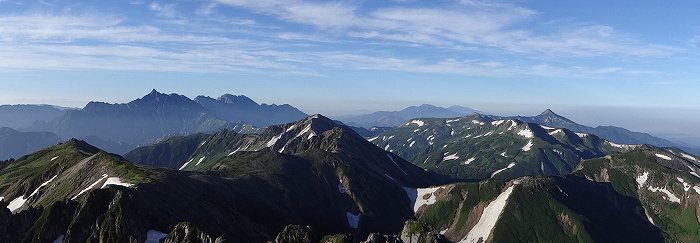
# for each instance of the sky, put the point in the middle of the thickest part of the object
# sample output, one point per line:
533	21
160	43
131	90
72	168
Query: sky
626	63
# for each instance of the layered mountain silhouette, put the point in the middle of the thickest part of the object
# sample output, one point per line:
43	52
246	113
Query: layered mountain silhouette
156	116
612	133
15	144
22	116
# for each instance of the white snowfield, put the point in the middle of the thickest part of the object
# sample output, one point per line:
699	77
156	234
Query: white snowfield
663	156
501	170
556	131
447	157
418	122
185	165
496	123
528	146
487	221
478	122
669	195
422	196
116	181
200	160
687	156
54	158
581	135
641	179
527	133
623	146
353	219
686	186
469	161
154	236
90	186
19	201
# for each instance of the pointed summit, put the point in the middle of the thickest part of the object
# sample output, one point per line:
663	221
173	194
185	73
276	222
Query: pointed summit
548	112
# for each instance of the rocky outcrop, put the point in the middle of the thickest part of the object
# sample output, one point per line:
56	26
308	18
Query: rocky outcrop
416	232
296	234
186	232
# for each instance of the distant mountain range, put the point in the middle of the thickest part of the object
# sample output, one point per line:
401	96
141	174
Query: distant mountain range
612	133
395	118
121	127
22	116
15	144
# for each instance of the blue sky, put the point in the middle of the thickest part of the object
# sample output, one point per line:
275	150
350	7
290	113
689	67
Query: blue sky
591	60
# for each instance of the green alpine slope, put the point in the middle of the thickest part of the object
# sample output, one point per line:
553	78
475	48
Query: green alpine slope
645	195
479	147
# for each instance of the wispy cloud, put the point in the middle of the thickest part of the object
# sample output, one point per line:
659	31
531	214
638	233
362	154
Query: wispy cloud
165	10
470	38
471	23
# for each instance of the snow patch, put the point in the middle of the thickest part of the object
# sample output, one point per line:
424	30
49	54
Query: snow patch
503	154
372	139
481	231
556	131
273	140
422	196
202	159
469	161
622	146
19	201
501	170
641	179
663	156
451	121
669	195
686	186
689	157
450	157
528	146
478	122
418	122
353	220
90	186
581	135
117	182
496	123
547	128
185	165
527	133
54	158
697	189
154	236
412	143
59	239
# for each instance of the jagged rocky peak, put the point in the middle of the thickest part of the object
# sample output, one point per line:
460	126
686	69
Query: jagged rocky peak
237	99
